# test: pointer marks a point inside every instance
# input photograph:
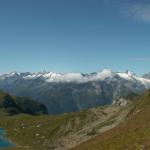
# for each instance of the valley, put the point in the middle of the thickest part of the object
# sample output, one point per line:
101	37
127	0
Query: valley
115	126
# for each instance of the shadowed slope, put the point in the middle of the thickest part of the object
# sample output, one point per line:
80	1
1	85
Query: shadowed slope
16	105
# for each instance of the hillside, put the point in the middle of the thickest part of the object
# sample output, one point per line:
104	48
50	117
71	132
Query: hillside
133	133
13	105
60	132
110	127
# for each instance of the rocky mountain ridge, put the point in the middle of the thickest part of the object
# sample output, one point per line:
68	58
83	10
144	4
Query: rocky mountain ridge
72	92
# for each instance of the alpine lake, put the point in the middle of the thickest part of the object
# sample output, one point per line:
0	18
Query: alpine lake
4	142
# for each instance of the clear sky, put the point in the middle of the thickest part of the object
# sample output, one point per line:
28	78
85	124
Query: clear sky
74	35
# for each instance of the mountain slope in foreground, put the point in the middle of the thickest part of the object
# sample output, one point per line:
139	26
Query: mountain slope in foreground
132	134
60	132
102	128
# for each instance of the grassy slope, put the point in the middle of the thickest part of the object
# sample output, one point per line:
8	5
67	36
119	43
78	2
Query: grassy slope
95	129
132	134
48	132
30	132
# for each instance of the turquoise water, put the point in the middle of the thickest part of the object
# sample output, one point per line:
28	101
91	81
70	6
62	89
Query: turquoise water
4	142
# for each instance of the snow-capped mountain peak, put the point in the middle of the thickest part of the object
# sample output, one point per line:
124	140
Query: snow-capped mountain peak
49	76
130	73
76	90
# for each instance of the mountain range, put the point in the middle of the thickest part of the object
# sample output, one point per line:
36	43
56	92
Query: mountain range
71	92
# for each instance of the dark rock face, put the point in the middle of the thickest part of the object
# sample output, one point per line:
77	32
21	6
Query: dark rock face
16	105
146	76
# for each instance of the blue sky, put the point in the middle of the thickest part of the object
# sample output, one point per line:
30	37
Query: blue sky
74	35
